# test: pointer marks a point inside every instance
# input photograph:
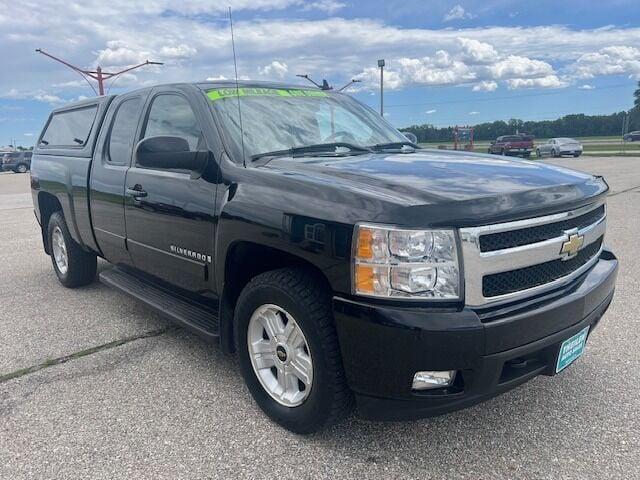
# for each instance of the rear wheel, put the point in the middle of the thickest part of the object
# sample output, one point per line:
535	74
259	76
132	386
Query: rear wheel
22	168
288	350
73	266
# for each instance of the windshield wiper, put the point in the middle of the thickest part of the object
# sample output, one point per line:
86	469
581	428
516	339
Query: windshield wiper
334	149
405	147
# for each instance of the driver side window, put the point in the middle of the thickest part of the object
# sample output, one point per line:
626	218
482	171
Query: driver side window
171	115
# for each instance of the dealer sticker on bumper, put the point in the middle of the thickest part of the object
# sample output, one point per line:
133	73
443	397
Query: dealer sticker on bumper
571	349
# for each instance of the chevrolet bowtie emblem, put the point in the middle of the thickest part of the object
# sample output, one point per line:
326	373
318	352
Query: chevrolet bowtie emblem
572	245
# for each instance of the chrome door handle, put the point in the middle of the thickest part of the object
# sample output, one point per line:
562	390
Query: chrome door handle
136	192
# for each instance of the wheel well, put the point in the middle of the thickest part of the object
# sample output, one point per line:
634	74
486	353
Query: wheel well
246	260
48	204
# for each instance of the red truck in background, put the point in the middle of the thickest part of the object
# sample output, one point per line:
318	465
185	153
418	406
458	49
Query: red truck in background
519	145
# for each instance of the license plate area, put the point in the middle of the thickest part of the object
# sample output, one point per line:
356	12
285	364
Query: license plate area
571	349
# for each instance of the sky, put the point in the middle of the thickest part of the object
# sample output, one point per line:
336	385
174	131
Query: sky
447	62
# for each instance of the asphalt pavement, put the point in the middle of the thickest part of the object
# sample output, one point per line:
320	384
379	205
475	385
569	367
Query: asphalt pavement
94	385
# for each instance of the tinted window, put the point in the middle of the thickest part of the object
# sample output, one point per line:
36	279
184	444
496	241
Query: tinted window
123	130
172	115
27	155
70	128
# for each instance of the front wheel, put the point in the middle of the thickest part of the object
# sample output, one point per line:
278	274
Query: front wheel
22	168
288	350
73	266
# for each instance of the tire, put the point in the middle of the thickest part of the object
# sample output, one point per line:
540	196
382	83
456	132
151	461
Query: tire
21	168
306	300
80	267
576	155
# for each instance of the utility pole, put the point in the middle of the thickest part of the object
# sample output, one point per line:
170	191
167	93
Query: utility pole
625	129
98	75
381	65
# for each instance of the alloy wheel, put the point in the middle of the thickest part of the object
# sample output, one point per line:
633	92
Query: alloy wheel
280	355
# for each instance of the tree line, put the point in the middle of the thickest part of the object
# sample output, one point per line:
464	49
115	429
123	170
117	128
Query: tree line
574	125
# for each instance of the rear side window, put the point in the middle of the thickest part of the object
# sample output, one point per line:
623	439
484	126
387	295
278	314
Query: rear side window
123	130
70	128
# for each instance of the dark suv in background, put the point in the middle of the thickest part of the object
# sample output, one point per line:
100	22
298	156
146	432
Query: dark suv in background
17	162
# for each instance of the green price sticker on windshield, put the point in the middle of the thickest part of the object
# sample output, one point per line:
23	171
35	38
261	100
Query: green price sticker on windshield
221	93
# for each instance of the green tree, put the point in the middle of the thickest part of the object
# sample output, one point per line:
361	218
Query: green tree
636	95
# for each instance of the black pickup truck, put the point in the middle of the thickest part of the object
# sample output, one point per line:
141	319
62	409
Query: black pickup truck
346	266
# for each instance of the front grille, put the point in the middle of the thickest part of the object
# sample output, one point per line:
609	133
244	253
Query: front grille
535	275
539	233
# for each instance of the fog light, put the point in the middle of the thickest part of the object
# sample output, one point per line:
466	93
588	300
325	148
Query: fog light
432	379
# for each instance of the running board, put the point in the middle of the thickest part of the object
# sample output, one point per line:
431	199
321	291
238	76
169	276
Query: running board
198	318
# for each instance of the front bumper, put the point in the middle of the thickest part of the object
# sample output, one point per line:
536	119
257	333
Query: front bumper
383	346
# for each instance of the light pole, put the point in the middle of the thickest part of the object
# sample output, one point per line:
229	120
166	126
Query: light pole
381	65
97	74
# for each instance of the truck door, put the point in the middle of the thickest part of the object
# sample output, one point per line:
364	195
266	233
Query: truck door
108	171
170	212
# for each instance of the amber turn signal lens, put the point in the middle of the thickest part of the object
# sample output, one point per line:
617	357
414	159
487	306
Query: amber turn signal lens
364	250
364	279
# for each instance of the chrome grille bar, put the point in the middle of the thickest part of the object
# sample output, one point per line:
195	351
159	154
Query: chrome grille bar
478	264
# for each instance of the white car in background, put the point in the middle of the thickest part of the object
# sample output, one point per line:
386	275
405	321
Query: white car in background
556	147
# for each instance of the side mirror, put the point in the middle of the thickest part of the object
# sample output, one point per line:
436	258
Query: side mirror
169	153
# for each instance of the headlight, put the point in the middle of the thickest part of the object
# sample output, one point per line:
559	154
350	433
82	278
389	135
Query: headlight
405	263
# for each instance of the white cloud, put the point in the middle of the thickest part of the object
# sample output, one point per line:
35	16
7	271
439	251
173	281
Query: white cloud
474	113
472	62
118	56
613	60
328	6
550	81
586	86
515	66
457	13
370	77
485	86
28	134
216	78
274	69
124	32
474	51
37	95
429	112
180	51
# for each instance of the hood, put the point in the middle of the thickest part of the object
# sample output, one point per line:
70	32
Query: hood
470	184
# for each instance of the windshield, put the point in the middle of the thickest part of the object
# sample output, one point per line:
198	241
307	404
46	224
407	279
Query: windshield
281	119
